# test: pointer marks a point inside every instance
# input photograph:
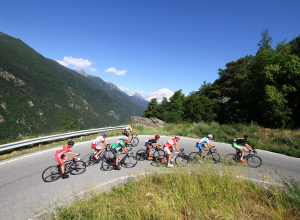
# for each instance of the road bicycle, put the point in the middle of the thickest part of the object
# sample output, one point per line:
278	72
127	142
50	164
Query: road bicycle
156	154
109	161
90	159
134	141
73	167
180	159
210	156
252	159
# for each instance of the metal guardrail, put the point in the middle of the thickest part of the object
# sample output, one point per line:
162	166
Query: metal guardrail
56	137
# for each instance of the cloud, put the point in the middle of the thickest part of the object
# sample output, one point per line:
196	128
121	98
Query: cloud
123	88
140	91
77	63
117	72
93	69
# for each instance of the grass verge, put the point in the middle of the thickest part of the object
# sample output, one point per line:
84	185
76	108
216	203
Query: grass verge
195	192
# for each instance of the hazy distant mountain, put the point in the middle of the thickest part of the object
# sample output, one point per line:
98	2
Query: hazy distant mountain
137	98
128	93
159	95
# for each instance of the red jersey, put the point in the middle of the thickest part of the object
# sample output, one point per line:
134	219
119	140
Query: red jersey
62	150
170	143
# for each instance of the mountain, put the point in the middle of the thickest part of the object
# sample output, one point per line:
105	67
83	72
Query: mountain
115	91
40	96
159	95
137	99
128	93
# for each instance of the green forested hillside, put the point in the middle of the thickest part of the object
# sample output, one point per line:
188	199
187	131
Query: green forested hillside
38	95
263	89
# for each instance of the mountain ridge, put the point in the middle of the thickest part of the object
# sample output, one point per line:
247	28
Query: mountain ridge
39	95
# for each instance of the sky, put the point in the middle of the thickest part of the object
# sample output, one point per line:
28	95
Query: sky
147	45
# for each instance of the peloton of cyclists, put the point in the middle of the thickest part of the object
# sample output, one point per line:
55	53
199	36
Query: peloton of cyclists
117	148
239	148
96	144
61	158
168	148
149	143
126	131
201	144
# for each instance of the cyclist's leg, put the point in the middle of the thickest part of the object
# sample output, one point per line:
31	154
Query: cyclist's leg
99	149
200	147
243	153
167	154
169	157
149	149
61	161
239	149
117	159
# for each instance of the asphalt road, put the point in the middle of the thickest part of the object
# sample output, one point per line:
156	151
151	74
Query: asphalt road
24	194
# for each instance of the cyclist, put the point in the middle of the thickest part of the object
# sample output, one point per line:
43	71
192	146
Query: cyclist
149	143
168	148
96	144
201	144
117	148
239	148
128	129
61	158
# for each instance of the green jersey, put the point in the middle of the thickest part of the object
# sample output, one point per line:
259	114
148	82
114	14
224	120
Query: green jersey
118	145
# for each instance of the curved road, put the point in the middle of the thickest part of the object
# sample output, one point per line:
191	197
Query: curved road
24	195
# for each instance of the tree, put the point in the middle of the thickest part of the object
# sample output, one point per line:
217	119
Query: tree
199	107
265	42
151	110
176	107
163	109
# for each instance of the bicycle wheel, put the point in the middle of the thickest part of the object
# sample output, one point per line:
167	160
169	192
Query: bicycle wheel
181	160
213	157
254	161
129	161
90	160
134	142
230	159
51	174
158	155
141	155
77	167
108	161
195	157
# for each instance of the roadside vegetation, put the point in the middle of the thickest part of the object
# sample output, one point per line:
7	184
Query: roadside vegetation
281	141
194	192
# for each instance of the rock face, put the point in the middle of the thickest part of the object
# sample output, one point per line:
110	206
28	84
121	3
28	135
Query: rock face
147	121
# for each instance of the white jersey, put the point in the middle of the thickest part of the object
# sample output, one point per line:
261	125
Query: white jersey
203	140
99	140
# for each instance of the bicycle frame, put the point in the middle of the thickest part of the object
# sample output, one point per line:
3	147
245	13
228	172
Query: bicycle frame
238	153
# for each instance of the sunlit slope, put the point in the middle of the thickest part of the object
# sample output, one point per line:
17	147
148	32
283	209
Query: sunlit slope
37	94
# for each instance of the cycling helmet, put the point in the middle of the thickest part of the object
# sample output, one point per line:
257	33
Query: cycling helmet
124	138
246	136
70	142
177	138
157	137
210	136
104	134
132	125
